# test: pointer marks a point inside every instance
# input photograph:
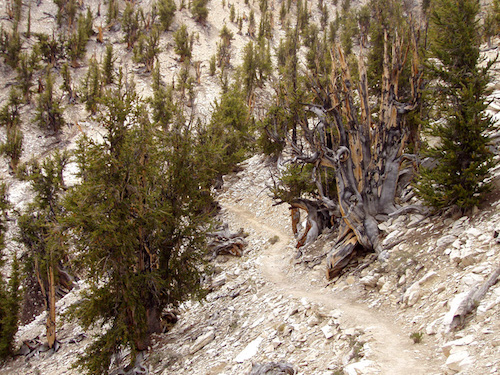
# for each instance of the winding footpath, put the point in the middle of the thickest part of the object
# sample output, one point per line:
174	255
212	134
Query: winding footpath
391	348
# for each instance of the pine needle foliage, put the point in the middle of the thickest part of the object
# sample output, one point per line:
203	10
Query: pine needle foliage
91	87
137	225
26	69
199	10
49	112
166	11
108	65
40	230
461	87
10	45
228	132
11	119
9	291
183	46
147	48
162	103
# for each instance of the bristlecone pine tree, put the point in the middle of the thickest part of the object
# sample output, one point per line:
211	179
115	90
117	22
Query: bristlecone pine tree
49	114
9	291
365	151
461	87
40	231
137	221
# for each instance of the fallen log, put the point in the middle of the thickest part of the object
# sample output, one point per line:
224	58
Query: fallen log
455	318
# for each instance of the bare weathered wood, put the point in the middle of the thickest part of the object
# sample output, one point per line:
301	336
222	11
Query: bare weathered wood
367	153
342	253
51	316
225	242
470	302
318	218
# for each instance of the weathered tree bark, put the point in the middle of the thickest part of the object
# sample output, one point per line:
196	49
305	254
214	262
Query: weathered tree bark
469	303
51	316
318	219
225	242
368	153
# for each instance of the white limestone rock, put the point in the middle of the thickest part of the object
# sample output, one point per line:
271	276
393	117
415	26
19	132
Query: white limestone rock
455	305
444	241
364	367
449	346
370	281
328	331
459	361
250	350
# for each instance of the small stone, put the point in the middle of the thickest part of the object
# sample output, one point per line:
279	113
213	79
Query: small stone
447	347
369	281
383	227
328	331
391	237
350	280
428	277
473	232
202	341
412	294
402	280
249	351
313	320
459	361
468	257
431	329
445	241
365	367
455	256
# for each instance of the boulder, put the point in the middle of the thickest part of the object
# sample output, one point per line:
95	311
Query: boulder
459	361
455	304
444	241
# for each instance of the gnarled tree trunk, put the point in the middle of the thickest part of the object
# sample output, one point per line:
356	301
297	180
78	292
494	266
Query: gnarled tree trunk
365	154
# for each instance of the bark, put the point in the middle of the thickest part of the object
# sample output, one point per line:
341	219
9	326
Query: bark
295	215
225	242
368	156
51	316
318	218
471	300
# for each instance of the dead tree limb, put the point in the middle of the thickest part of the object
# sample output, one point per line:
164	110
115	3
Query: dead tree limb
225	242
456	317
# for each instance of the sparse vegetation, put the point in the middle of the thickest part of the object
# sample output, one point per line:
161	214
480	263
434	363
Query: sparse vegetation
417	337
183	43
49	113
274	239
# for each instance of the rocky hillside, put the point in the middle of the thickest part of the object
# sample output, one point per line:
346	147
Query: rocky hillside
268	307
272	308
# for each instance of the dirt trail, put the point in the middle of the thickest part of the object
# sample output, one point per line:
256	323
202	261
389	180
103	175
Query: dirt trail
391	347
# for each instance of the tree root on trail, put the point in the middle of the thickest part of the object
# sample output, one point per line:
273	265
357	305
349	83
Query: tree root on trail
225	242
